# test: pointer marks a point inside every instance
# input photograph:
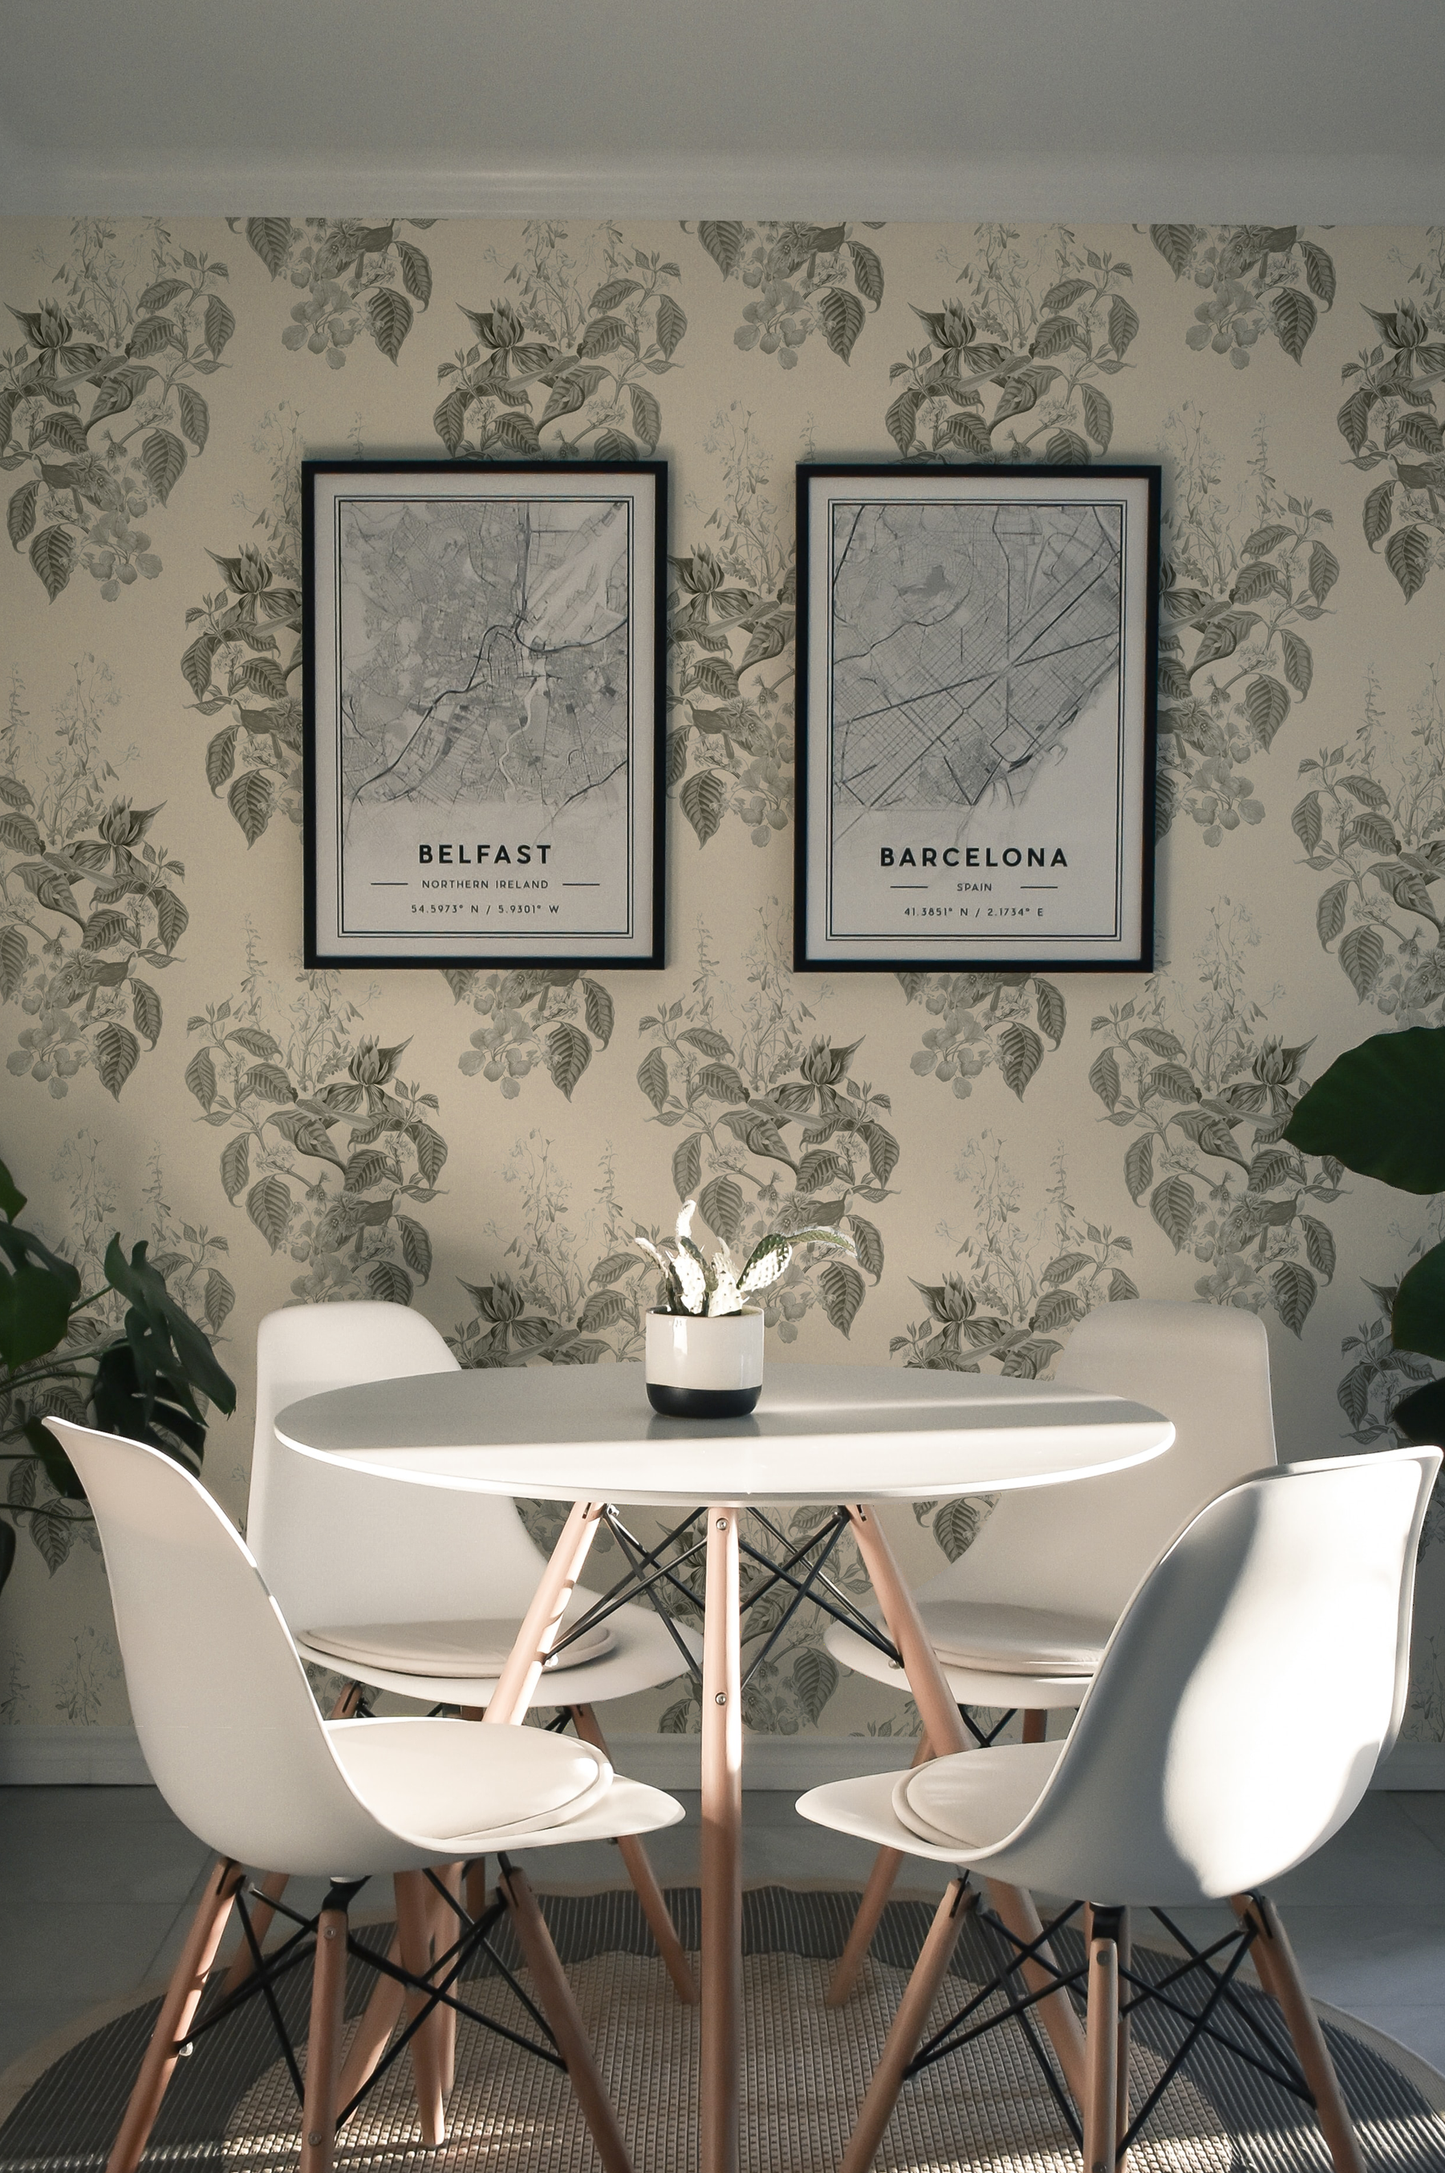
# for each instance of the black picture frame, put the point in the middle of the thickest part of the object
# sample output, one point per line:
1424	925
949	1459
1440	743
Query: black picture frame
443	735
935	700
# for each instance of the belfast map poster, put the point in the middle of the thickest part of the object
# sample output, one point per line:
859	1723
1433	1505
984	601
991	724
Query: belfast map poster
484	713
976	711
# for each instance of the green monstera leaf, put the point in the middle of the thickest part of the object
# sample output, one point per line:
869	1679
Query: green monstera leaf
1380	1109
143	1383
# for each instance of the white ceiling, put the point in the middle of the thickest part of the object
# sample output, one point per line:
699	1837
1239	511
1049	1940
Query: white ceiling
1326	110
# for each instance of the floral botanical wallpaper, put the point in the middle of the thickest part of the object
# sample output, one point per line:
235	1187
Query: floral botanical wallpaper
1007	1151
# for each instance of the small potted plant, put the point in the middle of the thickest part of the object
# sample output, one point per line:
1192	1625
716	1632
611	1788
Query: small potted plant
705	1342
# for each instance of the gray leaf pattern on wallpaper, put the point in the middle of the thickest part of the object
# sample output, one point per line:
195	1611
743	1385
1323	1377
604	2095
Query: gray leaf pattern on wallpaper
18	1706
1028	1273
956	1337
732	619
243	655
1391	420
578	1288
984	1019
1258	280
598	1103
355	275
1011	368
1379	1376
731	1080
1206	1107
90	906
1373	822
1237	587
539	1018
750	1098
805	278
94	1662
573	351
330	1151
99	405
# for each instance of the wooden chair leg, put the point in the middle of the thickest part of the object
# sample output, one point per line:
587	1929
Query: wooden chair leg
1036	1721
907	2027
940	1717
178	2008
272	1887
522	1670
554	1997
414	1932
447	1927
1101	2083
643	1877
1274	1959
323	2045
886	1866
1125	1942
372	2032
383	2009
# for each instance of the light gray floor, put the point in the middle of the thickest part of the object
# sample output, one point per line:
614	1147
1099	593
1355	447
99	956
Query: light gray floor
97	1885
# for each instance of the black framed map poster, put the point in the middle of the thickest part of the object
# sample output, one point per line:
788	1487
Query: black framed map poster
484	713
976	705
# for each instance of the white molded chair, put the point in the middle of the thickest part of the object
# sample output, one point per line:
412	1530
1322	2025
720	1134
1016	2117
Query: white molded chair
236	1746
1021	1619
381	1583
1242	1704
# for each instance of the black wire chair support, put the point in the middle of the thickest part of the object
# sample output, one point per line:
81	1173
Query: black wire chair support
268	1970
827	1540
1281	2068
839	1604
639	1558
647	1572
1012	1953
632	1548
985	1738
1201	2022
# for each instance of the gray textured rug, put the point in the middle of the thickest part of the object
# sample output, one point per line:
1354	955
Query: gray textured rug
806	2068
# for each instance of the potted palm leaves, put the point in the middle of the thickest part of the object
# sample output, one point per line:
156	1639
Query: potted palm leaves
704	1355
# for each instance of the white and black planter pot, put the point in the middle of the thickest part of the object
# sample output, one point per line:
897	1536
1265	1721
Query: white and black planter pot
702	1368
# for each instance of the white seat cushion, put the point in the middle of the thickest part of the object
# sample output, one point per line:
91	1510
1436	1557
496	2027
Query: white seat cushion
975	1797
467	1651
1006	1640
448	1778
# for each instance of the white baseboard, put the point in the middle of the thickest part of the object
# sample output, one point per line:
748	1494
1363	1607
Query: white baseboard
111	1758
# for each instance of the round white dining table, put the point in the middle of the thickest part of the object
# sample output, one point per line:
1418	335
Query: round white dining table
847	1435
